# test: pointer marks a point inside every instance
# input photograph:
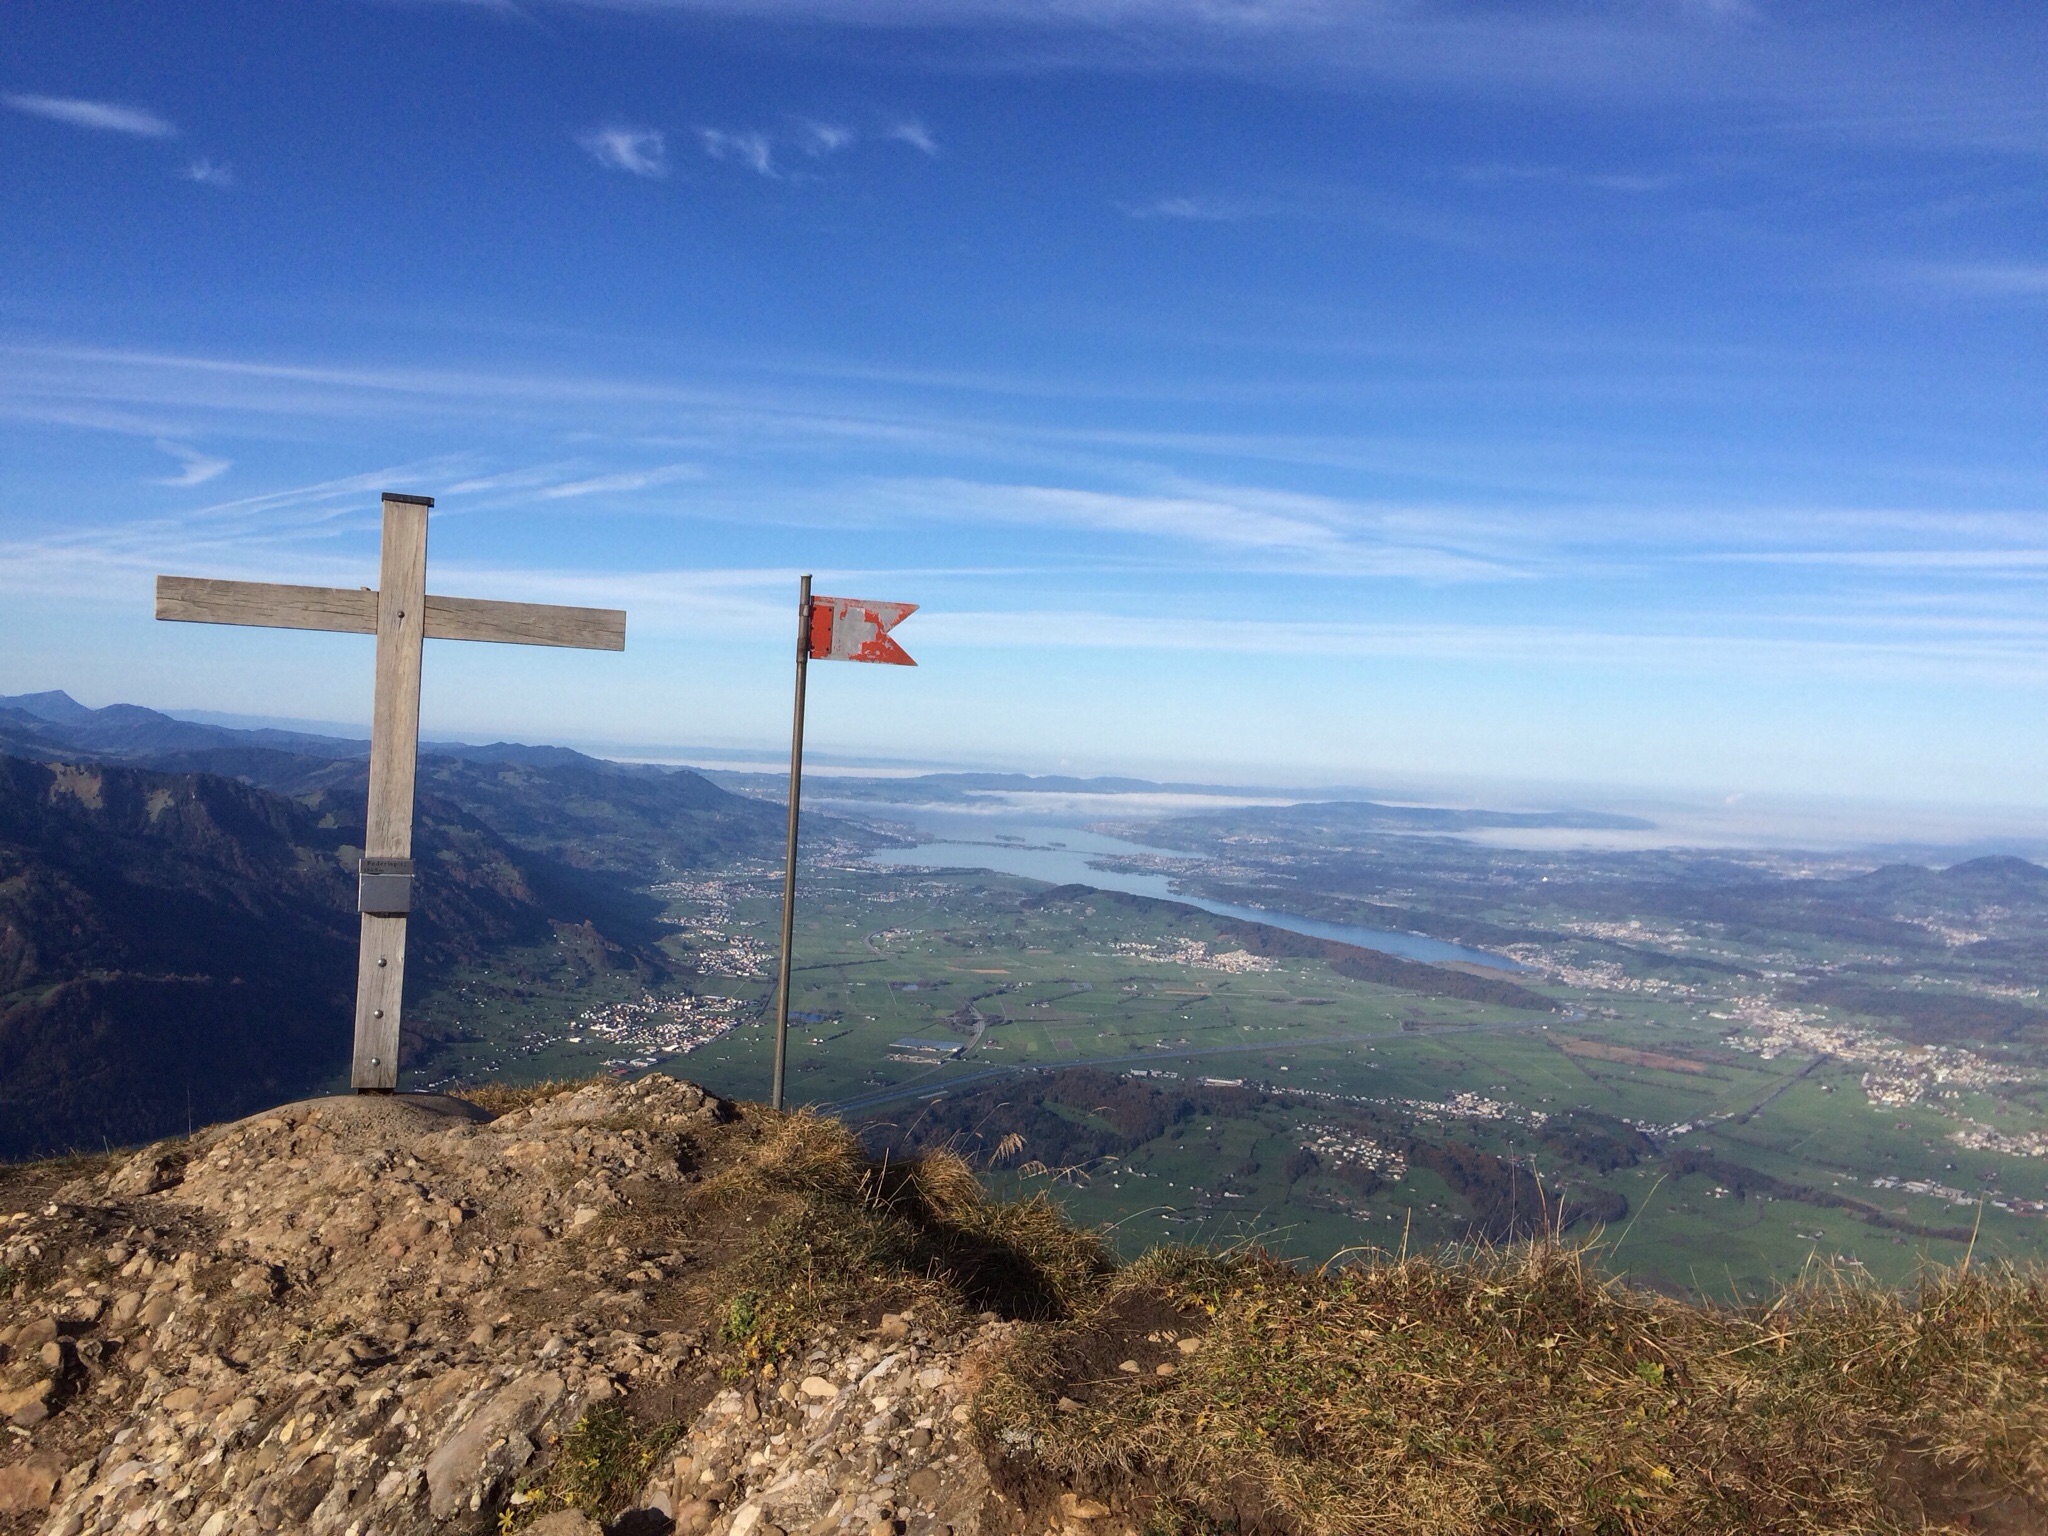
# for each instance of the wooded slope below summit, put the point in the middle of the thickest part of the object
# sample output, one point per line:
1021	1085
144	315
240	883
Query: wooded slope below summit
177	901
182	946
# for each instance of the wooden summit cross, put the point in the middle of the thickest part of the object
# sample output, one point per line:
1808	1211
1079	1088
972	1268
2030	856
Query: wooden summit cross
401	614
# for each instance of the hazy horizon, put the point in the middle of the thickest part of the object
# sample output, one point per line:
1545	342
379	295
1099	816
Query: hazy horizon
1681	817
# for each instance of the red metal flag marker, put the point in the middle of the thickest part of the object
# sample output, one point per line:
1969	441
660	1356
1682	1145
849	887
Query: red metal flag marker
827	629
854	629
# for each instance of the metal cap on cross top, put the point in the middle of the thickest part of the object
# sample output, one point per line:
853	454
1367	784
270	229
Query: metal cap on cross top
402	614
827	629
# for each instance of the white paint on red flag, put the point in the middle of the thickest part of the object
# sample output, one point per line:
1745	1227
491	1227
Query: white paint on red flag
854	629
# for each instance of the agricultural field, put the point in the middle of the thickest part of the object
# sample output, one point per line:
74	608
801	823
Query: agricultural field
1697	1104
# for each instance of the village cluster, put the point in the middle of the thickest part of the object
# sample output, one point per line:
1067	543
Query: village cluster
1978	1137
739	957
1339	1148
1895	1074
720	952
2017	1204
655	1027
1927	1187
1595	975
712	896
1194	953
1608	975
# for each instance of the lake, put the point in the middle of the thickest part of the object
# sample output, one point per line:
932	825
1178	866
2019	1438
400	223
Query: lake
1064	855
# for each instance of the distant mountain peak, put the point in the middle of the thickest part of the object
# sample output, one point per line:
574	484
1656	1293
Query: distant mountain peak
56	706
1997	867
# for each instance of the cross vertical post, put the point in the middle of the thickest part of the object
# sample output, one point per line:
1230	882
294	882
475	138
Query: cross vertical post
402	614
385	883
796	781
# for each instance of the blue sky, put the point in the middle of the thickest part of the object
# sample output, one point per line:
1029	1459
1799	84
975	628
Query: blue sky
1635	393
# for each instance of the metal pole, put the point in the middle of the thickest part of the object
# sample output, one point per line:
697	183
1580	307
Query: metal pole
796	781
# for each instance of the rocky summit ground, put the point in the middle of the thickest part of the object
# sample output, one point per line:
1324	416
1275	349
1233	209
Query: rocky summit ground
637	1309
363	1315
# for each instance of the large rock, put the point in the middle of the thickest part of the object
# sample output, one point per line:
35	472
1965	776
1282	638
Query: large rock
152	1169
384	1118
26	1487
28	1405
370	1314
492	1442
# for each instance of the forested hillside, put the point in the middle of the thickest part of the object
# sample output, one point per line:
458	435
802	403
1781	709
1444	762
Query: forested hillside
177	901
177	945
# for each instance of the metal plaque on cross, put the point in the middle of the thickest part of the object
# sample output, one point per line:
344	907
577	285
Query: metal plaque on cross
402	614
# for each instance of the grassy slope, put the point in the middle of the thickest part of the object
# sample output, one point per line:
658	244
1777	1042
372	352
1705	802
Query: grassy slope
1504	1391
1512	1391
1515	1392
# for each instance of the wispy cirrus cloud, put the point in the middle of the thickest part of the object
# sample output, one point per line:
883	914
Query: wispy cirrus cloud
766	151
748	147
209	173
1080	477
198	467
1992	279
1498	175
636	151
627	480
2011	652
289	535
1877	71
2018	563
273	535
99	116
824	138
914	133
326	532
944	418
1276	530
1199	209
532	477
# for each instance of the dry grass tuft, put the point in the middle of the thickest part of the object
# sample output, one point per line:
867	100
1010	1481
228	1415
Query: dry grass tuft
943	1184
807	1154
1520	1392
836	1234
799	1153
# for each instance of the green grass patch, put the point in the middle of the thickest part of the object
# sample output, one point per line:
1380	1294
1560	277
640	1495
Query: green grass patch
605	1459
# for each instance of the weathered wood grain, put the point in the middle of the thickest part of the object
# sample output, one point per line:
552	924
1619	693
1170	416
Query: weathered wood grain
395	697
472	618
380	989
394	759
353	610
266	604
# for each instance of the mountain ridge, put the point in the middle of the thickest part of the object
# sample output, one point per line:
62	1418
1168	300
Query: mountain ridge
177	903
179	944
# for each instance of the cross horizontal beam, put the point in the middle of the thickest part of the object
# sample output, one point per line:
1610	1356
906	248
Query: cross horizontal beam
353	610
